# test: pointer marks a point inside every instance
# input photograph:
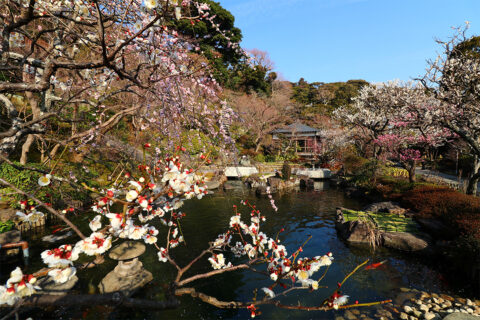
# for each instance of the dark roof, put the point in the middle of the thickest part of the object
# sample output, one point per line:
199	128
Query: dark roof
296	127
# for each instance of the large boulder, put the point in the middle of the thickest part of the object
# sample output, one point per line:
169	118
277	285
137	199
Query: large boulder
254	181
405	241
276	184
386	206
245	161
357	232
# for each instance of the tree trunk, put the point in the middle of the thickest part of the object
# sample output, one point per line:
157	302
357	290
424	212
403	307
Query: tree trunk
411	171
30	138
54	151
258	143
474	177
74	116
26	148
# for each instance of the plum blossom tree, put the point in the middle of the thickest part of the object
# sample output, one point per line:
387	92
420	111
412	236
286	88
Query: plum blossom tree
453	78
106	59
405	133
369	116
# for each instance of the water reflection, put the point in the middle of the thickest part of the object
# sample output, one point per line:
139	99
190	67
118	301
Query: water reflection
321	185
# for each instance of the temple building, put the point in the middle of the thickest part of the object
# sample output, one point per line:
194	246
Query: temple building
305	139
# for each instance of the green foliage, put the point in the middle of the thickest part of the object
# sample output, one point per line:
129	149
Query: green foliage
4	77
353	163
197	142
260	157
279	158
366	173
323	98
392	187
254	79
229	65
25	180
304	93
6	226
470	48
210	40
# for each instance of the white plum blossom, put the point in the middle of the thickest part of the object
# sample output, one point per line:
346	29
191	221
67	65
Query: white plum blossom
238	250
116	220
250	250
235	220
218	261
339	301
96	223
131	195
151	4
162	255
62	275
136	185
309	283
61	256
268	292
222	239
17	286
44	180
96	243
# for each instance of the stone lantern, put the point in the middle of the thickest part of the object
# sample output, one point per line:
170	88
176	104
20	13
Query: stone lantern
129	275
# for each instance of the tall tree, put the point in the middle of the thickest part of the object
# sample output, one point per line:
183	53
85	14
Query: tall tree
454	79
260	115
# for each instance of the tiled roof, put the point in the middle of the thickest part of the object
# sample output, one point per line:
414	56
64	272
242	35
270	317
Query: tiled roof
296	127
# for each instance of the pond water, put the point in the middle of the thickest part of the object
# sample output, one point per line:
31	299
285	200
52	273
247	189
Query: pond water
301	213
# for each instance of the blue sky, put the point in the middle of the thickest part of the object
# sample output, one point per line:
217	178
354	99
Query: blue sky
337	40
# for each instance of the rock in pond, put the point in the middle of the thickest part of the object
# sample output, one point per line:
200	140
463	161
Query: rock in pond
50	287
369	228
405	241
356	232
460	316
212	185
386	206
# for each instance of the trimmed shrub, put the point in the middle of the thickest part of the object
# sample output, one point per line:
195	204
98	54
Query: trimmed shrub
457	209
441	201
353	163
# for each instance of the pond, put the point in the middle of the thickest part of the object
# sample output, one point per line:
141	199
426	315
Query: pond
301	214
